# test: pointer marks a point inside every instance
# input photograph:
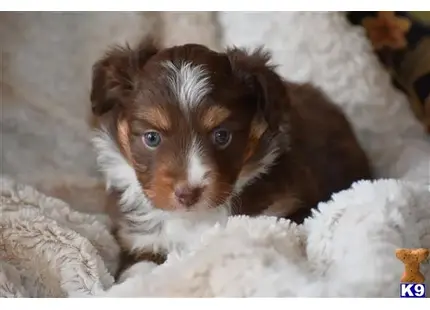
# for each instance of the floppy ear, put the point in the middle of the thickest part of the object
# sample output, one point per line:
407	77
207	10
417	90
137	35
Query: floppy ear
113	74
266	85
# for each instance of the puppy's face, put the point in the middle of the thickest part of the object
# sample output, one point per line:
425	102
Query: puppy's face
189	120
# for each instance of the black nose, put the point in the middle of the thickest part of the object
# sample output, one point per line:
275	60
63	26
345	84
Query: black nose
187	195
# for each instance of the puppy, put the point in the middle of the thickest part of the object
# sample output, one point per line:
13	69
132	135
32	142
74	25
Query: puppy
187	136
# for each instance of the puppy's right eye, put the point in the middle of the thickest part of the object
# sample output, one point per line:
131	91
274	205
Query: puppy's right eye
152	139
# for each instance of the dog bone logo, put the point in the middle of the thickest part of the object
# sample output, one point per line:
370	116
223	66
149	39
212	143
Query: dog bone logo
412	258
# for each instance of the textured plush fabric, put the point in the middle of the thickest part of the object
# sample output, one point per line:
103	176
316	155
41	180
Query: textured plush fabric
49	250
346	250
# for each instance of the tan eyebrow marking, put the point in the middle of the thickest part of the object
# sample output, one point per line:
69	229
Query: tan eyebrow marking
258	127
214	116
157	117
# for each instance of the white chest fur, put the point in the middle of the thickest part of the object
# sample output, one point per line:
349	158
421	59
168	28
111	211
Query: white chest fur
167	232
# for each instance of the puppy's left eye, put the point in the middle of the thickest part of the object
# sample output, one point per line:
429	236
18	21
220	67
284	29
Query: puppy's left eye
152	139
221	137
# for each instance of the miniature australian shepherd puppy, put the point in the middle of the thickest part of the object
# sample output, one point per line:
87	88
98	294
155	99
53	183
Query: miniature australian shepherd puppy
186	136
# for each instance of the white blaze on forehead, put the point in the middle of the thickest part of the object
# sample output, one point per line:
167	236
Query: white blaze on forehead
196	170
190	83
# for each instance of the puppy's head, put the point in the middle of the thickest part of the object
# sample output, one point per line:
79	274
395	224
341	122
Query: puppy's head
194	124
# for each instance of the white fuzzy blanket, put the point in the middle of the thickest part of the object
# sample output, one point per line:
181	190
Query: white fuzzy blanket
49	250
346	249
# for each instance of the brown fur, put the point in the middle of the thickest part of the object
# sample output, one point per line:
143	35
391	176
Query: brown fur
324	158
318	151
